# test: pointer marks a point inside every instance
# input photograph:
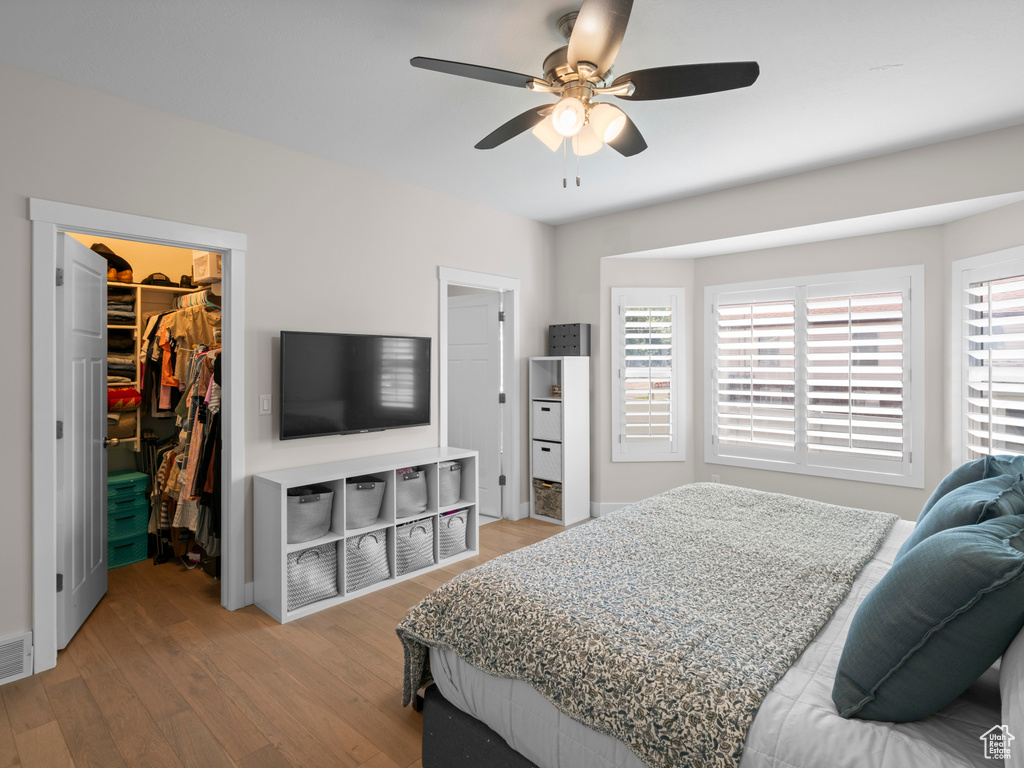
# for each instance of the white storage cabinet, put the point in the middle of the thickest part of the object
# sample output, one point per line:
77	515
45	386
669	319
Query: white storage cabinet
560	437
271	547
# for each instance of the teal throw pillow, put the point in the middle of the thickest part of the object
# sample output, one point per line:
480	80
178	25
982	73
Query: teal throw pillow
1004	465
968	505
935	622
971	472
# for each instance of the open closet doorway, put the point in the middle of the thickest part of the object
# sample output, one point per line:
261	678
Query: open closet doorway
479	365
54	516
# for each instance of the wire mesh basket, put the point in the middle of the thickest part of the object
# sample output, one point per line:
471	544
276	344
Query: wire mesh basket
312	575
414	545
366	560
452	532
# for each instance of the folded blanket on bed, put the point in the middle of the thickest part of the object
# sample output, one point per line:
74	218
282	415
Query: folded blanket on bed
664	624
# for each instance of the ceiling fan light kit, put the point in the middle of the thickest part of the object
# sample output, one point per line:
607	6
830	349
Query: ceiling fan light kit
576	73
569	115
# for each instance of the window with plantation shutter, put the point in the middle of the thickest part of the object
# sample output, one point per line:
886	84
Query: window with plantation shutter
646	378
855	375
814	376
756	386
989	298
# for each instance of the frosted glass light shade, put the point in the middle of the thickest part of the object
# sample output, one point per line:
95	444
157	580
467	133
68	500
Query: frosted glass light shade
586	142
545	131
569	115
607	121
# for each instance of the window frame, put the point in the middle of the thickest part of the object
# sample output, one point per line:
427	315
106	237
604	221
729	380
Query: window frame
674	450
910	471
1008	262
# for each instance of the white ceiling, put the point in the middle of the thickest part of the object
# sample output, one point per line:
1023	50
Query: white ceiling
839	81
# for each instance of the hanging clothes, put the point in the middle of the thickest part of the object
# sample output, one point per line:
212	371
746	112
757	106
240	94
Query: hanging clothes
180	372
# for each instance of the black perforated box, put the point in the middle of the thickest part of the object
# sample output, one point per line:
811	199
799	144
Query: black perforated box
569	339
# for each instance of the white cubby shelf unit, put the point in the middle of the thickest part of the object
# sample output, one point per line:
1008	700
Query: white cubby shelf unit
271	547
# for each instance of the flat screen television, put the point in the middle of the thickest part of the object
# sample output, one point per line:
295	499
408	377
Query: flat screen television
341	383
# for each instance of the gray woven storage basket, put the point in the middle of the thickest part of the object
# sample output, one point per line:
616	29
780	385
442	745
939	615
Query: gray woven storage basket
363	496
366	560
449	483
410	493
312	575
309	512
414	545
452	533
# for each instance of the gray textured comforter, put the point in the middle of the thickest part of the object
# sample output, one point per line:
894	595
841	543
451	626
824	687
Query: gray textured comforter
664	624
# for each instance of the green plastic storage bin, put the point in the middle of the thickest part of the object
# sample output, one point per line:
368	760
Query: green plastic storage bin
127	520
127	551
122	486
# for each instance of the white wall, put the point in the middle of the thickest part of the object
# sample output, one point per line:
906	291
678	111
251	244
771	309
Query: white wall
977	166
331	248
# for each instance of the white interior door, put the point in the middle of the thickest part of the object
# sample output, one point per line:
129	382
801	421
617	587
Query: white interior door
81	455
474	383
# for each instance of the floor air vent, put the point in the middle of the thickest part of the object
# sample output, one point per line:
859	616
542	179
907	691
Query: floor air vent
15	658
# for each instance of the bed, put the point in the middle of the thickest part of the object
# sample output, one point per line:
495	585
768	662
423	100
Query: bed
556	657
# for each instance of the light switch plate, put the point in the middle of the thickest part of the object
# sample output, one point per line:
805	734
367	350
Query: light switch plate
264	405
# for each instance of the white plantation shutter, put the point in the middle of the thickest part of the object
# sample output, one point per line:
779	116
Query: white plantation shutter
756	375
992	382
646	405
815	376
646	384
855	371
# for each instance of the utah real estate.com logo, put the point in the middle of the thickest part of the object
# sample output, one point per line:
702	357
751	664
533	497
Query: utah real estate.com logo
997	742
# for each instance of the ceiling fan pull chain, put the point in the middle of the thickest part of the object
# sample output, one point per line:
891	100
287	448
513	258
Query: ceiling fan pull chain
564	175
577	169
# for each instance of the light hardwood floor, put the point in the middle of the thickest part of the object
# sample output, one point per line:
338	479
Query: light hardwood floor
161	675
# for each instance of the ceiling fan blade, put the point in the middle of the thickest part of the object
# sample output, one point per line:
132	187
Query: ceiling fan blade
512	128
488	74
689	80
597	33
629	142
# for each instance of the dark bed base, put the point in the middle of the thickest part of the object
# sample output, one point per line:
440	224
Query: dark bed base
453	739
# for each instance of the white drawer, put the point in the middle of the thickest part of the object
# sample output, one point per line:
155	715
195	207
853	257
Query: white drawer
547	460
547	420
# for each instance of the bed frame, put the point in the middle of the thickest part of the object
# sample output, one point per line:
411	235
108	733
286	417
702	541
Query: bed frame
453	739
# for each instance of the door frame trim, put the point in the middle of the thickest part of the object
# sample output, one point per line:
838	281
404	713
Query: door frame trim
49	219
511	286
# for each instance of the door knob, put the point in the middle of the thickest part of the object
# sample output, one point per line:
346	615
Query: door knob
108	441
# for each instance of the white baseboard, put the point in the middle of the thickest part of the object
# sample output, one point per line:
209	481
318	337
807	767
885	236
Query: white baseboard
524	511
250	592
598	509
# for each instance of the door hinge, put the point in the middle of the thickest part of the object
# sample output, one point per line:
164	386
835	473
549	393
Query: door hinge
60	582
60	275
501	479
501	316
501	398
60	430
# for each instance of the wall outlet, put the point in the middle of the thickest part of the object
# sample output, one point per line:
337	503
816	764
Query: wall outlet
265	405
716	478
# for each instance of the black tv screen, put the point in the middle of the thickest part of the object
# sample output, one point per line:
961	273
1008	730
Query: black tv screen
340	383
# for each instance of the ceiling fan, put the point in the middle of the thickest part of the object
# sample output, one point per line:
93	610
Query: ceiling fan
577	73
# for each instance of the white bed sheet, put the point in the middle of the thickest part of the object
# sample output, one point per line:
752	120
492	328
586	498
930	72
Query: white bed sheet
796	726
